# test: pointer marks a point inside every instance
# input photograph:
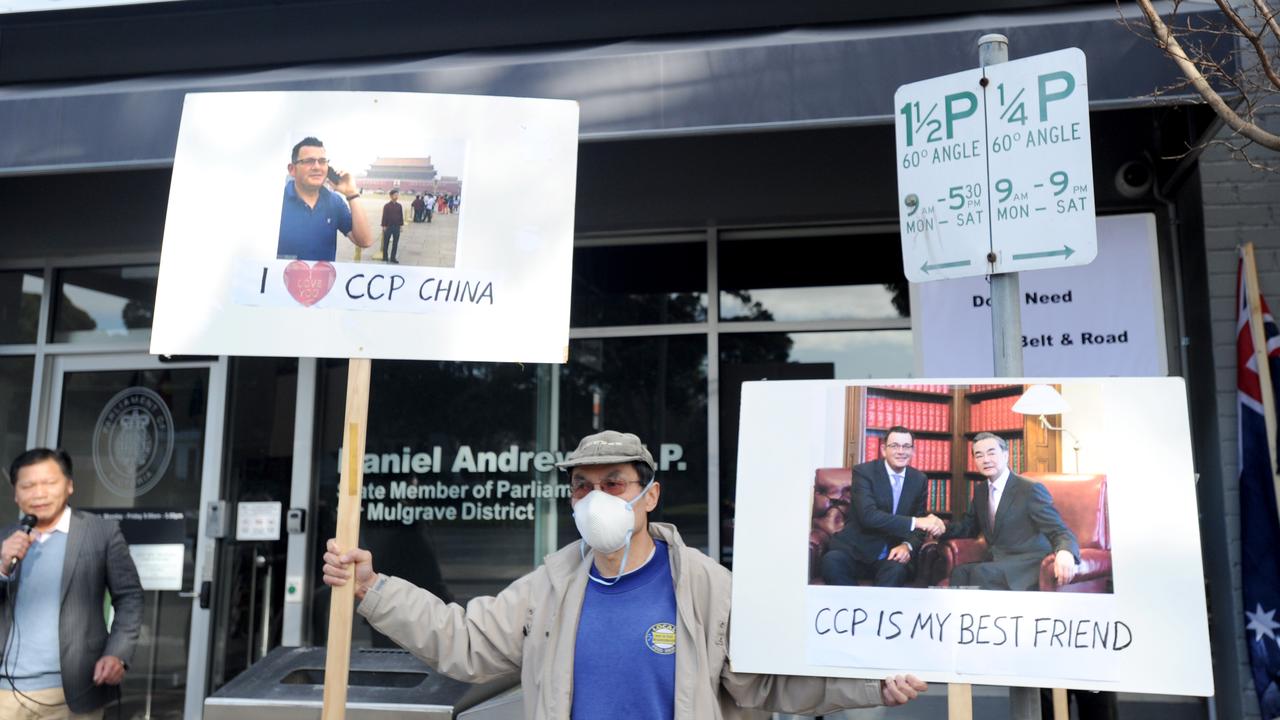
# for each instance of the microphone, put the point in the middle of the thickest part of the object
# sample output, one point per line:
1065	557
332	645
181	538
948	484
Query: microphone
28	522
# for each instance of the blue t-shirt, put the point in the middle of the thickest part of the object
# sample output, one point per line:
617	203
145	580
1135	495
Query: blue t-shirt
309	233
624	663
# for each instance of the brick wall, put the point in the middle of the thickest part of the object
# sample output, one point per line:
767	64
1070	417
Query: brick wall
1241	204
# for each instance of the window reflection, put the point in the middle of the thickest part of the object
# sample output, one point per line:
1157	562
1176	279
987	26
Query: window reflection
827	302
428	424
639	284
836	277
879	354
19	306
183	392
655	387
105	304
86	395
15	404
794	356
258	467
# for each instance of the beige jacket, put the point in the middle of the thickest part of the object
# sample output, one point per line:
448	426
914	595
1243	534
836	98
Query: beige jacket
530	628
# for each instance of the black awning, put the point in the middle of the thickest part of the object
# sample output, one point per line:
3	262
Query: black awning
716	84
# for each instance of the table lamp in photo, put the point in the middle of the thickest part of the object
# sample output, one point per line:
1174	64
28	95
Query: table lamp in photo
1044	400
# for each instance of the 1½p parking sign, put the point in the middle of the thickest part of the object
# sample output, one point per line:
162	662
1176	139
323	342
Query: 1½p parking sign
995	169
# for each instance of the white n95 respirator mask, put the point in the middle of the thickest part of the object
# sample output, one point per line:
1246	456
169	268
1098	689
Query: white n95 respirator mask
606	521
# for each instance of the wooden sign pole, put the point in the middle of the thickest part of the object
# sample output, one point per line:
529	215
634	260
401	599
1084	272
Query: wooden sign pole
1061	710
959	701
342	599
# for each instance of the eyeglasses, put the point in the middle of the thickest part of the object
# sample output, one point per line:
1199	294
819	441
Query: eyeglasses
614	486
308	162
899	446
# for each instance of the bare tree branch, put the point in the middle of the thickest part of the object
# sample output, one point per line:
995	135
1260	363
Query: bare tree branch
1168	42
1241	152
1254	39
1269	17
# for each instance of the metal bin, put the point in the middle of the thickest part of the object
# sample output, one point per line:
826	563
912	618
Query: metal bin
288	684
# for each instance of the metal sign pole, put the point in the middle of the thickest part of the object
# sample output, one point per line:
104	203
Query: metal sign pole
1006	343
994	170
1006	314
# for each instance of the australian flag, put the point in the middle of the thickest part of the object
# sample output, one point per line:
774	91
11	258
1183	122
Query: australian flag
1259	524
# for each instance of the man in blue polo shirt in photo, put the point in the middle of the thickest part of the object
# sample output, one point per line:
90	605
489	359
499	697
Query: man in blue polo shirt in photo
312	214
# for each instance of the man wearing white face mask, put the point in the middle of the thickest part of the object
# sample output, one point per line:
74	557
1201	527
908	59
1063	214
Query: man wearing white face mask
629	595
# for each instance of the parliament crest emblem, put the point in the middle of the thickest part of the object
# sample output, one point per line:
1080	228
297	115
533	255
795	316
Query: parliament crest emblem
133	442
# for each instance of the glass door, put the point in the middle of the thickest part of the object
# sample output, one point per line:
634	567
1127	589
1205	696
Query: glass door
144	439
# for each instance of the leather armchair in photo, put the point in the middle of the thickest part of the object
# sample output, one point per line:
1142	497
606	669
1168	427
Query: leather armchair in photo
1081	500
832	498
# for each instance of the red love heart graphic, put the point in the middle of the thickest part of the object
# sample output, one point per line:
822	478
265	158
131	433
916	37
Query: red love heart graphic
306	284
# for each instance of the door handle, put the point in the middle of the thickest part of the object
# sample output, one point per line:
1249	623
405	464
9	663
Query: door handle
204	593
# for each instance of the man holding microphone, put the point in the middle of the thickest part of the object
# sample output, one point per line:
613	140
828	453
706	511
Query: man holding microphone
54	572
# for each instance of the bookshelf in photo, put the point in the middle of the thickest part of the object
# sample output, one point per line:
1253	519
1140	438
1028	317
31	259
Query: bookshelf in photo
943	420
989	408
928	411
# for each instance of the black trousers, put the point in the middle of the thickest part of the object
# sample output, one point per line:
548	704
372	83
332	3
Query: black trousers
841	568
390	233
1089	705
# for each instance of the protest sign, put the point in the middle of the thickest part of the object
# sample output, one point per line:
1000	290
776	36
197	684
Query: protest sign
1106	318
367	225
1132	616
283	236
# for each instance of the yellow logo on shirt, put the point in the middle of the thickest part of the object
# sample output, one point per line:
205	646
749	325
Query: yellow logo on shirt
661	638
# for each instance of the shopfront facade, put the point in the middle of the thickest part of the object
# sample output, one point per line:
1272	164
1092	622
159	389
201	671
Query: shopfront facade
736	220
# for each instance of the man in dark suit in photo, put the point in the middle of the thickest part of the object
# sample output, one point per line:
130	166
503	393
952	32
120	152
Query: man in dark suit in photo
1022	530
59	659
887	524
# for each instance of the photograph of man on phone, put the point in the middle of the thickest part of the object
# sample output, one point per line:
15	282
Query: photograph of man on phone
313	214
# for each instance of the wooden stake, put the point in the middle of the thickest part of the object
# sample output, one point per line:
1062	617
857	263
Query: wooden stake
342	600
1061	711
1254	295
959	701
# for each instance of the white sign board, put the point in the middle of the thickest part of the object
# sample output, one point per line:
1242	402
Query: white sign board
159	566
158	538
1140	626
284	238
258	521
1104	319
996	160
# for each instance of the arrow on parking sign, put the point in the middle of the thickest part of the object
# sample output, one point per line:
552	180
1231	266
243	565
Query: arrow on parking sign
1065	252
926	267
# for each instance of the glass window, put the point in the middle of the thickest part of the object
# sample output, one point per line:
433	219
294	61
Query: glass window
136	440
16	374
19	306
113	304
90	401
794	356
655	387
639	284
838	277
454	482
258	468
461	496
